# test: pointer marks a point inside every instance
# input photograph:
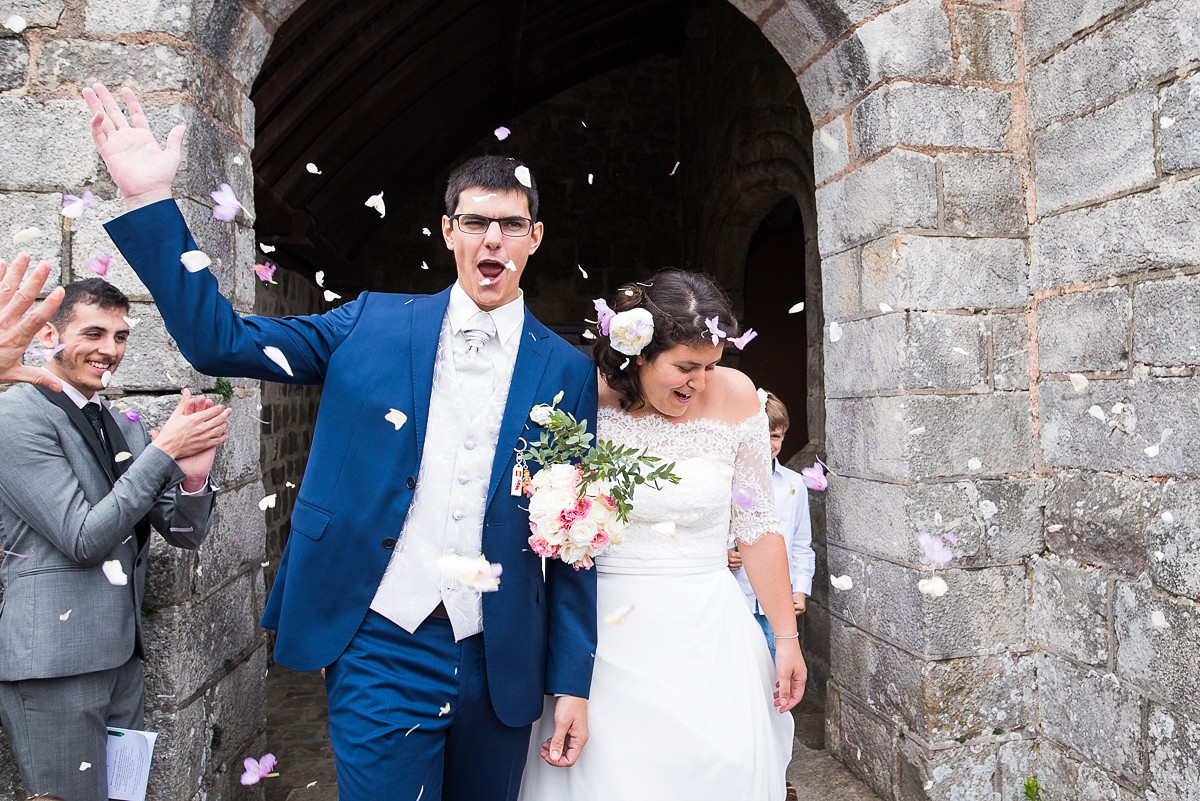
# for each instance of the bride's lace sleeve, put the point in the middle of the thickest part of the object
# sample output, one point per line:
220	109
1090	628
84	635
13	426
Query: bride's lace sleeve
753	500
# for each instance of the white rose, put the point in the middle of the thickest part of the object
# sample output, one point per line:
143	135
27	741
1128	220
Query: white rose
540	414
630	331
583	531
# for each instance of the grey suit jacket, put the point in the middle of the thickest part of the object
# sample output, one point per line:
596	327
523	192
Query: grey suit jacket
62	510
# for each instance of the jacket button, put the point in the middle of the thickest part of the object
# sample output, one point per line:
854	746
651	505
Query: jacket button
389	543
410	482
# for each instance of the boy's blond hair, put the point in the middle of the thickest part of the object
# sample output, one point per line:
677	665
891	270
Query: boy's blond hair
777	414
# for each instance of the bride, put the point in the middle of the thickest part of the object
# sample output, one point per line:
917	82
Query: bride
681	694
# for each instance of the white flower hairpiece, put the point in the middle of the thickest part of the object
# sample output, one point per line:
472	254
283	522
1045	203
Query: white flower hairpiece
630	331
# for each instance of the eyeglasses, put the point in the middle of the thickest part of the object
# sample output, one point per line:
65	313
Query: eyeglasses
476	224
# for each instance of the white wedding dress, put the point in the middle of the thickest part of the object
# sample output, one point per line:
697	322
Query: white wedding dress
681	700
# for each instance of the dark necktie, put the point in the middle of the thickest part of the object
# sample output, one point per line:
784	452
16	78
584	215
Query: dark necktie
93	413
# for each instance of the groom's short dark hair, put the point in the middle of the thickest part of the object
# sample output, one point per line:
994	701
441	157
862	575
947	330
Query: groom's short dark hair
493	173
91	292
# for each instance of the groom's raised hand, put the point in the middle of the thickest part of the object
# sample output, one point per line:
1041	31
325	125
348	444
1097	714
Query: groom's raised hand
141	169
563	748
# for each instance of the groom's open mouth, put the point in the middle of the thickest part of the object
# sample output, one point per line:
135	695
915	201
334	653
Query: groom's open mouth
490	271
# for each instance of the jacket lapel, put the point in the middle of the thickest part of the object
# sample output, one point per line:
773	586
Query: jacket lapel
532	358
85	430
428	313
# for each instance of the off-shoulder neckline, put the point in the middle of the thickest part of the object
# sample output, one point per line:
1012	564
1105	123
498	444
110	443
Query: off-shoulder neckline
615	411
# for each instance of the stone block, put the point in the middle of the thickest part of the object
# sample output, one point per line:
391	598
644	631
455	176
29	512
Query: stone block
897	190
869	517
20	210
1009	514
1154	412
930	115
89	240
1161	661
987	45
14	63
840	287
152	359
247	57
831	149
860	741
182	749
1112	60
238	705
1053	23
983	612
1173	539
911	40
1179	126
791	31
1103	153
193	642
209	159
909	271
1174	746
1096	519
1085	331
952	773
238	458
1069	614
141	67
1092	712
1151	230
137	16
1010	351
982	193
30	159
869	357
1017	761
1063	775
1166	322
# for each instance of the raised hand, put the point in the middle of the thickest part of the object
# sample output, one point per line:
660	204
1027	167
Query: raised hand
141	169
18	328
192	433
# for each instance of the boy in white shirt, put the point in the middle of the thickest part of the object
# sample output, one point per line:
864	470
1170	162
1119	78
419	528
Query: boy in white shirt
791	504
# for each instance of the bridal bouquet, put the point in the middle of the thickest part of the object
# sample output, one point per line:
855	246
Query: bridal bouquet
579	501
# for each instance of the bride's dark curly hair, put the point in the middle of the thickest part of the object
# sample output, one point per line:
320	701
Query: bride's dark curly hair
679	302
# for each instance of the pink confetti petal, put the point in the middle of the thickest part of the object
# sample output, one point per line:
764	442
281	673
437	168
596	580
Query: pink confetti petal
745	497
98	265
935	549
265	272
502	133
227	205
814	477
741	342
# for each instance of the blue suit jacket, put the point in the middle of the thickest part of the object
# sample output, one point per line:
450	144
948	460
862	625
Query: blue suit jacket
371	355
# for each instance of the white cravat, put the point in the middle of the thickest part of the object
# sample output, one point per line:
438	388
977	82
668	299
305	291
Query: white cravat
447	510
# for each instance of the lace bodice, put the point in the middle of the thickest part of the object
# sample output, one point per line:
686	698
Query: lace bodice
715	461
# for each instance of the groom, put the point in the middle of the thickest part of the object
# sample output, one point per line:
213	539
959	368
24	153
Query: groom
432	686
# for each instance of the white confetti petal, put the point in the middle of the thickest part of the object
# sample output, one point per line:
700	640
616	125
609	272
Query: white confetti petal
276	355
674	169
130	321
26	235
65	616
73	210
84	766
331	296
115	573
841	582
1152	450
315	170
1167	517
502	133
624	364
238	160
320	278
16	23
289	485
1158	620
427	232
443	710
266	248
587	334
960	351
376	202
1078	381
1118	407
106	378
885	308
918	430
1098	413
581	270
310	785
264	564
835	332
799	307
483	198
934	587
974	464
122	456
590	179
666	528
1054	528
473	572
1159	555
617	616
396	418
1166	122
268	502
195	260
511	265
485	281
522	173
828	141
424	265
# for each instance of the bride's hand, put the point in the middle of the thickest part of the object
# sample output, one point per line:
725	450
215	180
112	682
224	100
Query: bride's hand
792	674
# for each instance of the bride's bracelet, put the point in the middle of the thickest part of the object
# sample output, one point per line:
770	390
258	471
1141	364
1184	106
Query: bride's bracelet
795	636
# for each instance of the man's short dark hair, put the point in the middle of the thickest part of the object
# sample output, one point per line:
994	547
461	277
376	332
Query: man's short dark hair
92	292
493	173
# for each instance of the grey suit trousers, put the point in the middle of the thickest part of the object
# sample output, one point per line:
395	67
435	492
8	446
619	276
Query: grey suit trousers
57	725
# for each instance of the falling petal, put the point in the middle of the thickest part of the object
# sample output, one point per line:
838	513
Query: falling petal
1098	413
311	785
16	23
483	198
1118	407
276	355
122	456
16	555
485	281
1056	527
841	582
1078	382
313	168
444	709
130	321
814	477
745	497
376	202
617	616
265	272
799	307
99	264
883	307
581	270
182	529
396	418
511	265
289	485
475	573
195	260
268	502
414	728
960	351
828	141
934	587
105	378
424	265
226	206
1166	122
1158	620
741	342
918	430
331	296
238	160
590	179
84	766
502	133
974	464
115	573
666	528
65	616
74	207
267	248
935	549
624	364
522	173
1152	450
587	334
835	332
673	169
1167	517
26	235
